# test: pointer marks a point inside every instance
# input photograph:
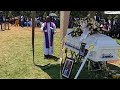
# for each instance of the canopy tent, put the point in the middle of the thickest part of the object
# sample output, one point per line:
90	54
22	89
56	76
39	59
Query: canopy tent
53	14
111	12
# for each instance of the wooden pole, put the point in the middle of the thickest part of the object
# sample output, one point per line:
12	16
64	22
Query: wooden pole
64	21
33	31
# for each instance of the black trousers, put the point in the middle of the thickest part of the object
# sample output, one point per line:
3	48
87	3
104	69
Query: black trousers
22	23
1	26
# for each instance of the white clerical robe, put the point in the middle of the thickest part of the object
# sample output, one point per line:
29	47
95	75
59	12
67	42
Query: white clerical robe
48	44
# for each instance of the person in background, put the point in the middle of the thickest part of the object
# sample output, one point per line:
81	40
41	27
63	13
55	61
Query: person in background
27	21
1	21
41	21
49	29
7	22
97	17
38	21
118	28
111	33
16	21
4	20
22	21
115	23
35	21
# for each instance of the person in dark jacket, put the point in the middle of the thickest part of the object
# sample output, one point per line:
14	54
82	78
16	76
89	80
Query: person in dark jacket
7	21
1	21
111	33
97	17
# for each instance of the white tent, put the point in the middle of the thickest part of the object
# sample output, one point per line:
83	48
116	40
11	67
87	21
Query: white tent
111	12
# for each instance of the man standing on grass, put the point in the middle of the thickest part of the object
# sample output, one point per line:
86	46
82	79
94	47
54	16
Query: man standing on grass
49	29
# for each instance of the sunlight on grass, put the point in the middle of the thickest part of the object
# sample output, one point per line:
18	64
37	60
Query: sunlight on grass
16	56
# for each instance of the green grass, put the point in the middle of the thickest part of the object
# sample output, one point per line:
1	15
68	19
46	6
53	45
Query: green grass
16	56
86	74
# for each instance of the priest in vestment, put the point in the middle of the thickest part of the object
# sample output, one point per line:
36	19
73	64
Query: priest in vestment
49	28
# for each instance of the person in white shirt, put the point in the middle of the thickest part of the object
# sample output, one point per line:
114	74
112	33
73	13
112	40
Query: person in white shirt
22	21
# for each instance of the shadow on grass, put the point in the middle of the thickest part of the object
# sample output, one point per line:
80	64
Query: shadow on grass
53	70
85	74
114	67
52	57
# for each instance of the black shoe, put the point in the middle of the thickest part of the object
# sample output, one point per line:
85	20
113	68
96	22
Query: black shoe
46	56
50	56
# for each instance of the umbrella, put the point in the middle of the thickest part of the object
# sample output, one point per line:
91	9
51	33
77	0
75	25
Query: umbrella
52	14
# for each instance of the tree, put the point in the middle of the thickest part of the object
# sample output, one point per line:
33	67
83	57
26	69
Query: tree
45	15
109	17
92	13
57	13
79	14
116	17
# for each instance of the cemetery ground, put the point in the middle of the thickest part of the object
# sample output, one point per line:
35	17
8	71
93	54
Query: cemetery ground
16	57
16	60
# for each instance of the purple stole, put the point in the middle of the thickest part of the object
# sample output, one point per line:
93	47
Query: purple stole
46	35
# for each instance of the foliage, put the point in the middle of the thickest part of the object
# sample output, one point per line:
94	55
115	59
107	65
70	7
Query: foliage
76	14
79	13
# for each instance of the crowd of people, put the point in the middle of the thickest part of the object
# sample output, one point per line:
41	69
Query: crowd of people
110	27
24	21
4	22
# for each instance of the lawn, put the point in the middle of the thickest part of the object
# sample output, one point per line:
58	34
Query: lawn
16	55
